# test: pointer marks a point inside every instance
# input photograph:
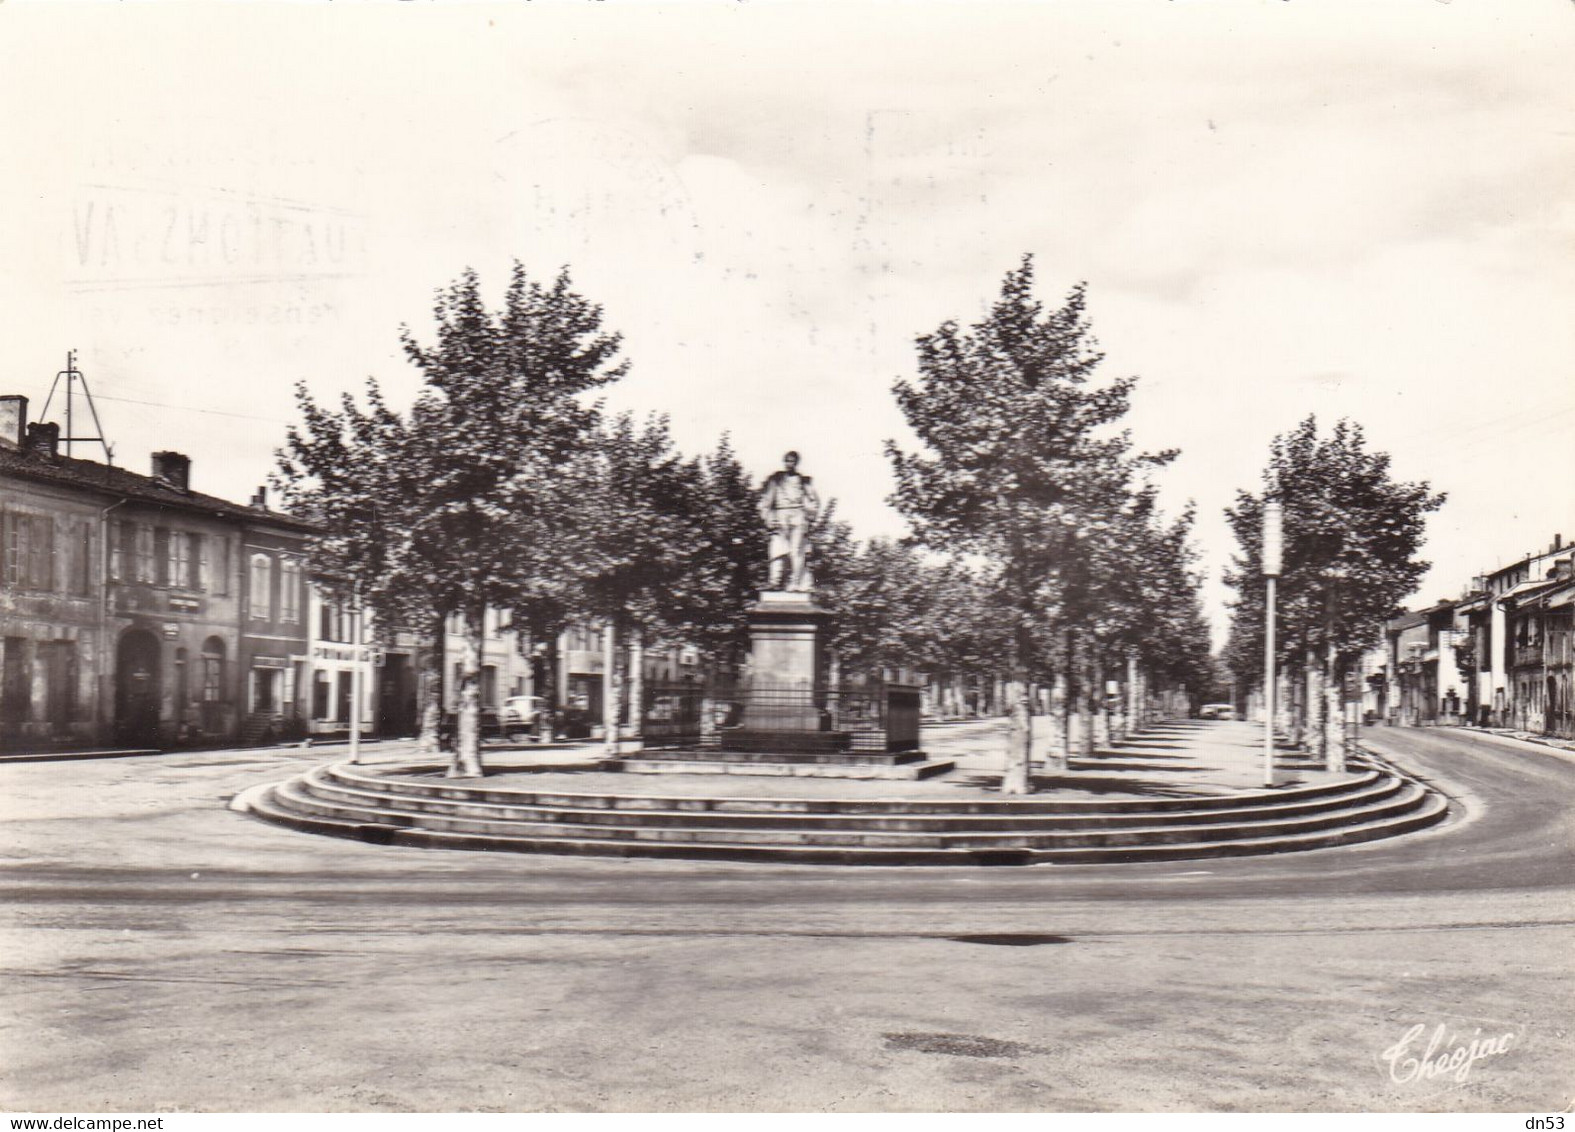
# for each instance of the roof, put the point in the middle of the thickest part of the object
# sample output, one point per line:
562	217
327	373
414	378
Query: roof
1528	589
1555	593
1408	621
108	480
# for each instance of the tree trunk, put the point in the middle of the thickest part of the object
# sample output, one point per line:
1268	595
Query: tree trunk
1334	714
1304	699
549	694
612	690
1313	736
1068	677
1134	718
1019	741
1085	701
1060	748
1291	685
1102	707
1019	730
467	744
431	699
637	686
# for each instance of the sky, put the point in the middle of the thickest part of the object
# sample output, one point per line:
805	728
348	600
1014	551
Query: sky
1280	208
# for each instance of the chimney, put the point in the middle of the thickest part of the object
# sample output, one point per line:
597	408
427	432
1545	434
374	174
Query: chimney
173	469
42	438
13	420
1558	544
260	500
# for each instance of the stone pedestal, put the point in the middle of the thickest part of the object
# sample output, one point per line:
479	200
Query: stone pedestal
786	675
785	627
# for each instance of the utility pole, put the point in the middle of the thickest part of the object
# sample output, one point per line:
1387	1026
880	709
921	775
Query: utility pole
73	378
1273	539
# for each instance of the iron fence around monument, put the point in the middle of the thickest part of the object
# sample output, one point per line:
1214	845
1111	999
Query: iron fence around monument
877	714
672	715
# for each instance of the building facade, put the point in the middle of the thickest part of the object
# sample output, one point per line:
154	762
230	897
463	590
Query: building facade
1498	657
274	605
53	616
128	603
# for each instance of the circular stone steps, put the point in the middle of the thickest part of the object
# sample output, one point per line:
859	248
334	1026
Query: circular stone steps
398	807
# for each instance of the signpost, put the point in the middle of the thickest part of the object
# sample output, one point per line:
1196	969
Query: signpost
1273	539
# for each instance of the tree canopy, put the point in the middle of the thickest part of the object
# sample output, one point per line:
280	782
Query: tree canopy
457	506
1021	465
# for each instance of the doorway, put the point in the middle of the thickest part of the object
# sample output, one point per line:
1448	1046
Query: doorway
137	688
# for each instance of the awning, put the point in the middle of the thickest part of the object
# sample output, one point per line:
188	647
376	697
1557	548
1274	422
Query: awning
1558	599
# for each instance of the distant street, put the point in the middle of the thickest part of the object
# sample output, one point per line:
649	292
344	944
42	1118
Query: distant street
161	952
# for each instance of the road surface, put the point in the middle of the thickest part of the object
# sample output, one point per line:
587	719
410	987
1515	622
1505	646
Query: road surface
162	953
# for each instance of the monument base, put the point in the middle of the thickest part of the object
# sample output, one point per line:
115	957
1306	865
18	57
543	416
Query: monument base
786	665
909	766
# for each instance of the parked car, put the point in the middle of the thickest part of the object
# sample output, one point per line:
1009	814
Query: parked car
521	717
494	729
572	723
1217	711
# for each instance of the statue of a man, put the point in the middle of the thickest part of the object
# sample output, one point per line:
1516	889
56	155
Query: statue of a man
788	505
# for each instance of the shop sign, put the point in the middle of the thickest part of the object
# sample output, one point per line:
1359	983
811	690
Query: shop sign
347	653
182	604
270	662
171	630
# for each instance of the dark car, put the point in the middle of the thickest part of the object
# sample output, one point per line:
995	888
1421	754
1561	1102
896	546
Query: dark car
493	730
572	723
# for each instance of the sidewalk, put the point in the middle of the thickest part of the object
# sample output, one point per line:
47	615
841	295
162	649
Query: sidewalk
404	747
1524	736
1179	759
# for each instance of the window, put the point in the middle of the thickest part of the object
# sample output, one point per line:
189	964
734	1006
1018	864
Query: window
14	562
196	562
117	560
142	560
221	577
180	559
82	571
164	575
259	600
28	545
333	621
290	590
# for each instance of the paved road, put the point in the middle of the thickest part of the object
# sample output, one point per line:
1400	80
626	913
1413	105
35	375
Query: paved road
161	952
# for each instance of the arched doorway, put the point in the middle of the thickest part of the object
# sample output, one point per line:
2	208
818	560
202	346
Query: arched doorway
137	688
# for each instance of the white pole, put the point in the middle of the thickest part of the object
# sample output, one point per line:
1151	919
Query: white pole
355	682
1273	539
1268	684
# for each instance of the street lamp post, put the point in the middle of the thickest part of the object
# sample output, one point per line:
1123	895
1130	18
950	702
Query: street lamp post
1273	538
